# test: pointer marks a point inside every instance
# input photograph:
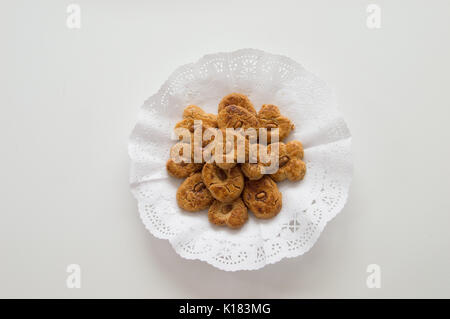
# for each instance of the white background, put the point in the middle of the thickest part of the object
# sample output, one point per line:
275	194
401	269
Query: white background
70	98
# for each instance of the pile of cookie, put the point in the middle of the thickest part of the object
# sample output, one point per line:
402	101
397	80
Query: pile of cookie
227	188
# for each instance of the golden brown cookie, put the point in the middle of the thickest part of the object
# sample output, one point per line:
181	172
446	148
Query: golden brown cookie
196	113
193	195
269	117
295	149
237	99
196	144
262	197
290	162
234	150
182	169
233	116
253	170
192	113
233	214
224	185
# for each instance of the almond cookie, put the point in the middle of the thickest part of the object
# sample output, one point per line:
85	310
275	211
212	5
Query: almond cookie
269	117
193	195
233	116
237	99
262	197
233	214
224	185
192	113
290	162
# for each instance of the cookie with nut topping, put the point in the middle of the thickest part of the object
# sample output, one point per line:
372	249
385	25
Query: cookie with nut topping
269	117
290	164
237	99
233	116
193	195
224	185
262	197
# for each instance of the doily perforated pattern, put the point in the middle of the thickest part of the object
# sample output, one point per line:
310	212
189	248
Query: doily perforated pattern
307	205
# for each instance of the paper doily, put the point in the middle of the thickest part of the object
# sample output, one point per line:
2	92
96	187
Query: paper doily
307	205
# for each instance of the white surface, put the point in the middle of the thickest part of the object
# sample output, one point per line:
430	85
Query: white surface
64	168
307	205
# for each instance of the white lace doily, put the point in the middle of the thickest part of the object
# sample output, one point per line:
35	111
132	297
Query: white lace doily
307	205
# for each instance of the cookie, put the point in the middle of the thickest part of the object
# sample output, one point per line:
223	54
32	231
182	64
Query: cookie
262	197
196	141
234	150
197	113
237	99
194	113
295	149
224	163
193	195
233	214
182	169
254	171
224	185
269	117
233	116
197	145
290	162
